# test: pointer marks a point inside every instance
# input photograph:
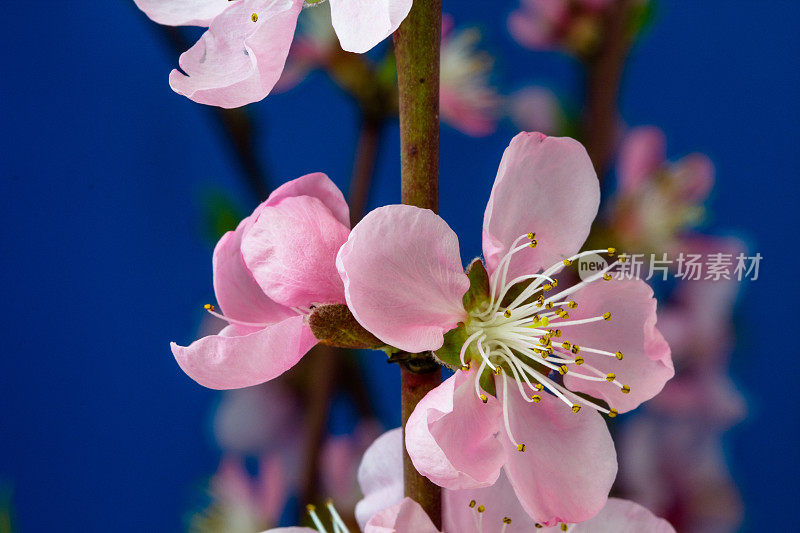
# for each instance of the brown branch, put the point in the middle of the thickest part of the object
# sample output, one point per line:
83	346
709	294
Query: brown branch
603	80
416	43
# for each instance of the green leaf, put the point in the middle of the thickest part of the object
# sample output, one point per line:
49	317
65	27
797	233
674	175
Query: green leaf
335	325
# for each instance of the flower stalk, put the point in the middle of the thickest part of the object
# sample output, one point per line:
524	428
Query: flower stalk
417	47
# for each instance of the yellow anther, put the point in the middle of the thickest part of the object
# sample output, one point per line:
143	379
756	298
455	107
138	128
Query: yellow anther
472	504
575	407
625	389
481	508
254	17
536	318
579	360
538	526
566	345
555	283
484	398
540	301
619	355
506	520
611	377
622	258
520	447
576	348
612	251
607	276
536	398
607	316
507	314
572	305
465	368
311	508
563	369
558	333
548	305
497	370
563	527
531	235
538	386
612	413
566	262
209	307
533	243
547	287
544	340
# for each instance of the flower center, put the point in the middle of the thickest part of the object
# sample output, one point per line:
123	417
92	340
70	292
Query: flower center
523	339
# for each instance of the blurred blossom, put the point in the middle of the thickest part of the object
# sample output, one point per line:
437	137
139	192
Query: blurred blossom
573	25
339	462
677	468
314	44
656	199
467	100
242	503
537	109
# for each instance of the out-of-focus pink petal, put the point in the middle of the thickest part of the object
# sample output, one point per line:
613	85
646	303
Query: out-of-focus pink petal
569	464
536	109
291	530
291	251
380	475
361	24
238	295
544	185
646	365
238	61
500	502
708	398
450	436
695	176
621	516
403	277
230	361
319	186
183	12
642	154
404	517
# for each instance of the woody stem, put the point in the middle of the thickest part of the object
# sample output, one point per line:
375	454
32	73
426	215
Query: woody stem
416	43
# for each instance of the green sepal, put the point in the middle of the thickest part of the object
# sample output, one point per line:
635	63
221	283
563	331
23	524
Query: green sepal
335	325
486	381
449	353
478	293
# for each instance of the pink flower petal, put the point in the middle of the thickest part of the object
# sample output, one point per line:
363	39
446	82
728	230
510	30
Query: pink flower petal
380	475
642	154
238	61
569	464
405	517
238	295
450	436
403	277
183	12
228	361
695	174
319	186
622	516
499	502
361	24
544	185
647	364
291	251
291	530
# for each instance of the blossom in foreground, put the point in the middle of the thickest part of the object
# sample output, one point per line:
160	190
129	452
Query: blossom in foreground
239	59
656	200
268	273
467	101
493	509
548	24
525	346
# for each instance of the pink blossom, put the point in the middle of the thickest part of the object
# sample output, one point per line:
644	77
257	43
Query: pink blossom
404	282
656	199
467	100
240	58
493	509
537	109
267	274
548	24
242	503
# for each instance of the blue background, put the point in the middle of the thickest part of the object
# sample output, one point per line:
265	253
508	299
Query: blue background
104	260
